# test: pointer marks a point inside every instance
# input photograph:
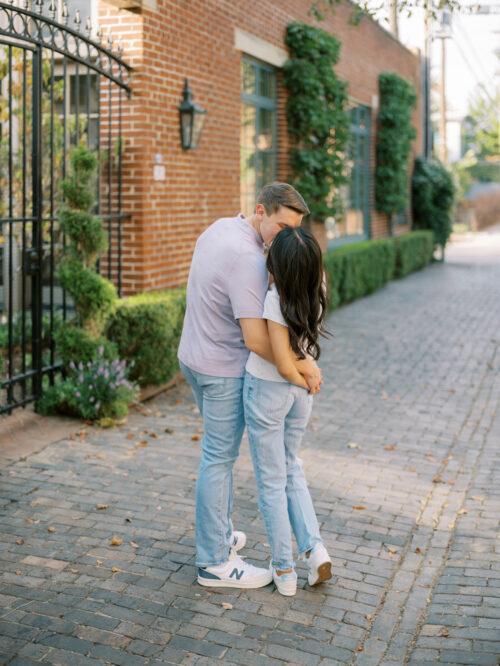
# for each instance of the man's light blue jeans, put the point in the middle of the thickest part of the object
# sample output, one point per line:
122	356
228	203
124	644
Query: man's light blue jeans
276	415
220	401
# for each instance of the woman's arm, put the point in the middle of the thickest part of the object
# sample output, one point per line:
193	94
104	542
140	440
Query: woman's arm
284	357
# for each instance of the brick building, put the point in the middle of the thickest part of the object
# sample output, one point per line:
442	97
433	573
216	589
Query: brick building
232	53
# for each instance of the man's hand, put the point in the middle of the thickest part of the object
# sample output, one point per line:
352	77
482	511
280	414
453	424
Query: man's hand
311	372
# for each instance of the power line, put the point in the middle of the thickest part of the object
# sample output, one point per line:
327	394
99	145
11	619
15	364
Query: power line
470	44
469	65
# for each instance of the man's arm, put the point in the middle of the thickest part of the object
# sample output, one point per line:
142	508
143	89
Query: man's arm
256	337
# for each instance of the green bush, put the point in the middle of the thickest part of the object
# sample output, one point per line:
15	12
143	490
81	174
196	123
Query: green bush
433	193
357	269
393	143
98	389
413	251
146	328
317	118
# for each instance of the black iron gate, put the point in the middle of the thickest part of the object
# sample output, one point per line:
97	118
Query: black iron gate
58	88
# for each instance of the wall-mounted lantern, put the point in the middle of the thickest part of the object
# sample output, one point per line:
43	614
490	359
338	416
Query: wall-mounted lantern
192	118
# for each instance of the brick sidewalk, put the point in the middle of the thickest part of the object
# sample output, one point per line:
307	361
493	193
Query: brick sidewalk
402	457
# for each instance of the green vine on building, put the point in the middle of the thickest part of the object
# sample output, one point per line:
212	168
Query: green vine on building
318	121
395	132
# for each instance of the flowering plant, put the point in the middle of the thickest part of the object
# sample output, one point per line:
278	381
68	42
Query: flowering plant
98	389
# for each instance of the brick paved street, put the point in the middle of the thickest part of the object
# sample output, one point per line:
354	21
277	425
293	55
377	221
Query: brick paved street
402	457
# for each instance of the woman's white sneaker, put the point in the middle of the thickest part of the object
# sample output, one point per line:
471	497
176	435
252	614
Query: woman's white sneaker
286	583
234	573
320	565
238	540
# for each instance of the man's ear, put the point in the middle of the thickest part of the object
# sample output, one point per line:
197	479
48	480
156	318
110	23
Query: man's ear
260	210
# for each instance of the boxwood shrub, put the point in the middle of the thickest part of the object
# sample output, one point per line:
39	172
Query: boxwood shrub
413	251
358	269
146	328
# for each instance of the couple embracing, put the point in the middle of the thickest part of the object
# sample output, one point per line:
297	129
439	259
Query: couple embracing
248	349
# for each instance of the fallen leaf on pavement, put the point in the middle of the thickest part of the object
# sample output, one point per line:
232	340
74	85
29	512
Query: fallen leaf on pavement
51	529
390	447
359	507
195	438
20	541
116	541
226	605
353	445
444	632
101	507
134	544
437	479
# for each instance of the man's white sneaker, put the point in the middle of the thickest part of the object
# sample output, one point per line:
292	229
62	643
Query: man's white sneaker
320	565
238	540
234	573
286	583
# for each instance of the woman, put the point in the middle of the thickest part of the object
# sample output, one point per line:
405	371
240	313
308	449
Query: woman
278	405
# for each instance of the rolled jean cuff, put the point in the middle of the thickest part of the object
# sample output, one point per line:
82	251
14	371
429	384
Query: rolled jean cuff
314	542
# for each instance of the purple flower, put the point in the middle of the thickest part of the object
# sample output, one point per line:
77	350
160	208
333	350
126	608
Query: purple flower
78	394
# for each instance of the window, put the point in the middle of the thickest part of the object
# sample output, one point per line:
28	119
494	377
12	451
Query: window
258	130
355	223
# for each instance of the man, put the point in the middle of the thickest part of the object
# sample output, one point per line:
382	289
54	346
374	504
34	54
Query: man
225	295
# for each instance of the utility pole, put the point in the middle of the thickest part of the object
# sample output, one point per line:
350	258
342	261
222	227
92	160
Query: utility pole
426	86
393	18
443	35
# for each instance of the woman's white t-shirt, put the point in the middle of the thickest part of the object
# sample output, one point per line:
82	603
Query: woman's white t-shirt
256	365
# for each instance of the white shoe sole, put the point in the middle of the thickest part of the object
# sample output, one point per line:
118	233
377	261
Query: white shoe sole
250	585
286	592
323	573
240	544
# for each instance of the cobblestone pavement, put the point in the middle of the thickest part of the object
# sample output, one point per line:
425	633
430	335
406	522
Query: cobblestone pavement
402	457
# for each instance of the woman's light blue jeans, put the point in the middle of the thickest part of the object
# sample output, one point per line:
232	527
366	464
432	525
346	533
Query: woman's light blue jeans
220	401
276	415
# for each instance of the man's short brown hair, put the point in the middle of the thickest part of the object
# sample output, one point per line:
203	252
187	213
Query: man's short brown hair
276	194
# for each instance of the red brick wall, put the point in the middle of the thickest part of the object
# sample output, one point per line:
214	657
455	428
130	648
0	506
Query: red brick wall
195	39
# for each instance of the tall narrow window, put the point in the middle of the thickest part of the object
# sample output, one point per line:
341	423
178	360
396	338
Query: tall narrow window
258	130
355	222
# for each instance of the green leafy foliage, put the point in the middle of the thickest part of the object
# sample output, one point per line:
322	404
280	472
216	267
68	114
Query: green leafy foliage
394	135
318	122
98	389
94	296
357	269
433	194
147	328
75	344
413	252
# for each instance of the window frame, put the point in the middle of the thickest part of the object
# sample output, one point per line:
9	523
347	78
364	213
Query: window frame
259	102
361	137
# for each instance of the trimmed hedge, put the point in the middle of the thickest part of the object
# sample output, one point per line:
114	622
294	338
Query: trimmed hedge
146	328
413	251
358	269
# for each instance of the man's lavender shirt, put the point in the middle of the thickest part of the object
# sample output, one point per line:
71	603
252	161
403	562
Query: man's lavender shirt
227	281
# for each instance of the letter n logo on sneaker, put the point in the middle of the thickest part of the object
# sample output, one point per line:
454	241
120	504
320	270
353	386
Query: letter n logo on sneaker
237	574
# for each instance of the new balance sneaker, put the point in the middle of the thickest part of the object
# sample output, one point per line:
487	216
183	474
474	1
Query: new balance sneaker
286	583
238	540
320	565
234	573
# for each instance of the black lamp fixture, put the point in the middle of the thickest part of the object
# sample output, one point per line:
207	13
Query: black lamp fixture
192	118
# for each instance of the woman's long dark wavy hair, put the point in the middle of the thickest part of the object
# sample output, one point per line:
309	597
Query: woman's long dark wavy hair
295	261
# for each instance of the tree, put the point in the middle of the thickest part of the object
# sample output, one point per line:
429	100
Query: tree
362	8
481	130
